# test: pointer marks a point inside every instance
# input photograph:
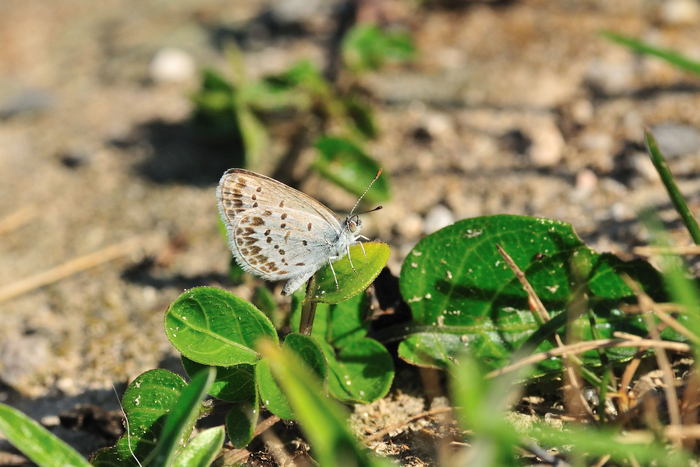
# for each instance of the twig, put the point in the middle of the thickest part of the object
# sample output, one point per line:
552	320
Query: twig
17	219
542	315
632	308
673	192
397	426
649	250
585	346
265	424
69	268
645	301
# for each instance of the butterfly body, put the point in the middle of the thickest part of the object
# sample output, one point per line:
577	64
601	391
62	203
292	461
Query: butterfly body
279	233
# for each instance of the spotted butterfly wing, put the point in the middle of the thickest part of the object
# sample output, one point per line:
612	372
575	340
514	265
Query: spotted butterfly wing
275	231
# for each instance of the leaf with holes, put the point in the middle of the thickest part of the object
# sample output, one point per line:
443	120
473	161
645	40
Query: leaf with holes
351	282
463	295
214	327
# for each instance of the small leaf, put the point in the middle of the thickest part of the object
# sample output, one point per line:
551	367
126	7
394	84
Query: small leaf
360	113
232	384
346	165
323	420
367	47
351	283
240	424
214	327
361	371
271	395
181	418
264	300
35	441
202	449
146	402
254	136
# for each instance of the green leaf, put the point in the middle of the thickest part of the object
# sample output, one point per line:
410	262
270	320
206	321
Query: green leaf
462	294
254	135
35	441
360	113
271	394
181	418
323	420
232	384
367	47
345	164
236	274
351	283
240	424
336	323
202	449
264	300
669	56
360	371
146	402
214	327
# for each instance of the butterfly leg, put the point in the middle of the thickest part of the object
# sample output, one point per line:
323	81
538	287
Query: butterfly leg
363	249
330	263
350	259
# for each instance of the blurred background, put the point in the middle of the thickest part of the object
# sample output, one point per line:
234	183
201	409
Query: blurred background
117	120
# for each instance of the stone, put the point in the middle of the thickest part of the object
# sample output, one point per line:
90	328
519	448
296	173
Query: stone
171	65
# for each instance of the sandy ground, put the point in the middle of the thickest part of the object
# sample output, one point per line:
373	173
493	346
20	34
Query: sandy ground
511	107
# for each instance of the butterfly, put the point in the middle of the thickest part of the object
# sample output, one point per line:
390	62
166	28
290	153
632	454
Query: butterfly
279	233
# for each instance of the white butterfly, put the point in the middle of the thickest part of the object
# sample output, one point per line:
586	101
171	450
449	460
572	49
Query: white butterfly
278	233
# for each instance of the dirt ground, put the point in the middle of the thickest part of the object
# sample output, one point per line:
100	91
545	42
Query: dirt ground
510	107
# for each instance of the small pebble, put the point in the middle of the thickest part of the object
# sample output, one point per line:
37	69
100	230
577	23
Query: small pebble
438	217
676	139
171	65
547	144
411	226
586	182
680	12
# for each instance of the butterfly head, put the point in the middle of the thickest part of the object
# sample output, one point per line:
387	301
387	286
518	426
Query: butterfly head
353	224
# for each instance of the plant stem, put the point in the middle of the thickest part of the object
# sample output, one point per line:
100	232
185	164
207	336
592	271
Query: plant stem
673	192
308	308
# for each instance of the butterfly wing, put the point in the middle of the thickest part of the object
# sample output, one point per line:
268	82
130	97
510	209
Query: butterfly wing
240	190
280	245
275	231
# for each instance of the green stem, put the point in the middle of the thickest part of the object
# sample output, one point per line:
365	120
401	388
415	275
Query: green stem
308	308
673	192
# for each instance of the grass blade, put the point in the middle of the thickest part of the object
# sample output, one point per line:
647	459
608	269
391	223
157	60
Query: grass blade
673	192
670	56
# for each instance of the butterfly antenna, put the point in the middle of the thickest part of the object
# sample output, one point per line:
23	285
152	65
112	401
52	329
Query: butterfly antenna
379	172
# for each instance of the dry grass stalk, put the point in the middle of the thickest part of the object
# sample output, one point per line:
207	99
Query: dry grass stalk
585	346
667	250
17	219
576	401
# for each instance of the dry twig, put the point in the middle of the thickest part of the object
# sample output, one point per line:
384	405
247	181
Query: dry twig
17	219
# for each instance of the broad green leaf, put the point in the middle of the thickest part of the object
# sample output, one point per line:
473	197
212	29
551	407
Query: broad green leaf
323	420
351	282
146	402
232	384
367	47
201	450
181	418
240	424
35	441
463	295
345	164
271	395
264	300
214	327
360	371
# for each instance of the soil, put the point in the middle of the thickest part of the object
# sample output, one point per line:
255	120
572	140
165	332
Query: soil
510	107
